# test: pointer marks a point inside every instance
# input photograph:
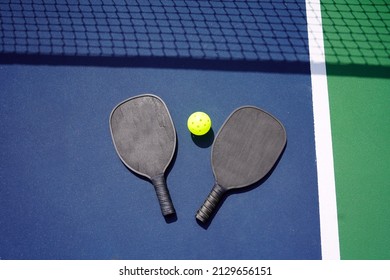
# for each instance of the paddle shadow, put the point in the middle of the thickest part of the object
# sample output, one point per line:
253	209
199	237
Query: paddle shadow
172	217
239	191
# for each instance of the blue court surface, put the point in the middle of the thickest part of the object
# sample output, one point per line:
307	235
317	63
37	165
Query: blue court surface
65	194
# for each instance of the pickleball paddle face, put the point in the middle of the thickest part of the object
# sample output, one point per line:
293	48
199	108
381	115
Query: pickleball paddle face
245	149
145	140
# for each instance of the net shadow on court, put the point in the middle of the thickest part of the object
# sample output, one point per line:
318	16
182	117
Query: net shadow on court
268	36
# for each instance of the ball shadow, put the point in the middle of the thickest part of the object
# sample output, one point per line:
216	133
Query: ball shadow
204	141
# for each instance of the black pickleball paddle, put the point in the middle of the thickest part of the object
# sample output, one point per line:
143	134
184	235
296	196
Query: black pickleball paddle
245	149
145	140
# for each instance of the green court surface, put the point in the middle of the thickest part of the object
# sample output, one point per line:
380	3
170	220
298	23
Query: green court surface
357	41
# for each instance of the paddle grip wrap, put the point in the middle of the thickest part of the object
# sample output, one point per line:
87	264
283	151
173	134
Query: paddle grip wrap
210	204
163	196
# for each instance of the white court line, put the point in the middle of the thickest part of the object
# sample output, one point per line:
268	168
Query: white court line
330	245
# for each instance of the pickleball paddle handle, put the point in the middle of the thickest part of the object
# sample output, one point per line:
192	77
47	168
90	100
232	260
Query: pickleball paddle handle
160	185
210	204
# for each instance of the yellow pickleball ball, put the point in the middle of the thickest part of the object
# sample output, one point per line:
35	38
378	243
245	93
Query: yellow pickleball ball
199	123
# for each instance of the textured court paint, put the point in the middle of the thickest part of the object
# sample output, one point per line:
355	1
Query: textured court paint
360	109
64	193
